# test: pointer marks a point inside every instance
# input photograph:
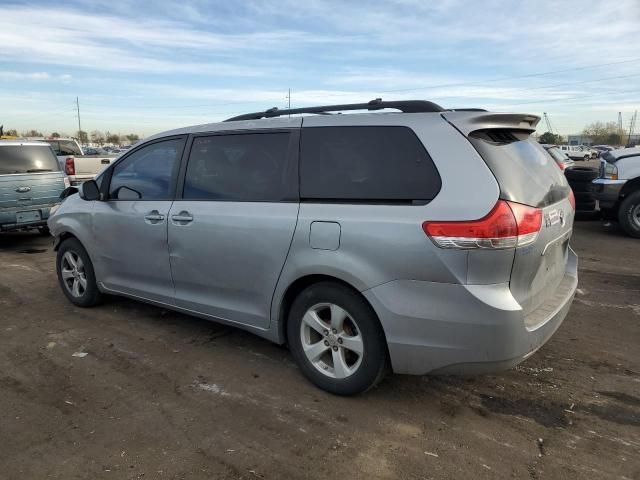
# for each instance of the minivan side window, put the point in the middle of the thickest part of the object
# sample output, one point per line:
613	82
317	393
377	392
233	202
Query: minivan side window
246	167
147	173
366	164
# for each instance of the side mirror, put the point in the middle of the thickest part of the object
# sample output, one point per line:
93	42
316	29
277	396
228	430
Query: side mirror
89	191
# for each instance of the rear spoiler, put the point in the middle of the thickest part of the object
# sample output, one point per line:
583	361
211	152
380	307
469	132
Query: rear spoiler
468	122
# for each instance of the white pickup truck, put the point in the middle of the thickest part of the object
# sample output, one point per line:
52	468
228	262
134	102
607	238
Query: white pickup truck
78	166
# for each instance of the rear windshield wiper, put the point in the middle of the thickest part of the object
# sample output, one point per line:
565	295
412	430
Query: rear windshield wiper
35	170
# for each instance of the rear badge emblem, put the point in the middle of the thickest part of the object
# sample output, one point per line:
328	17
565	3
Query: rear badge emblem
23	189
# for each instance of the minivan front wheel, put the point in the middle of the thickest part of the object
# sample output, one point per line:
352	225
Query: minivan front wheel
336	339
75	274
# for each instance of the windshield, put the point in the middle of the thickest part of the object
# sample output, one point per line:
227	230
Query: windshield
27	159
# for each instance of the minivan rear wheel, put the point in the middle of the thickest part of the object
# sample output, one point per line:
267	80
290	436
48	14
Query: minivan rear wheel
336	339
75	274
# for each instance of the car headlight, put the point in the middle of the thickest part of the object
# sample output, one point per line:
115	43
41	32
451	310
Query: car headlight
610	171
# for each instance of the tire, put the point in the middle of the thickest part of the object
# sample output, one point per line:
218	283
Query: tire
584	174
583	197
586	206
312	314
73	265
581	187
44	231
587	215
629	214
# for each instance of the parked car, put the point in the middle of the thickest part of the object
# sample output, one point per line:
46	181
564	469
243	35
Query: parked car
353	238
561	158
30	185
593	153
575	152
73	161
603	149
617	188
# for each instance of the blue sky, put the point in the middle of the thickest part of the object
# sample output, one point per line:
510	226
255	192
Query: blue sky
146	66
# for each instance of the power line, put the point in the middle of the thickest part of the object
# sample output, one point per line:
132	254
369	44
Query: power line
513	77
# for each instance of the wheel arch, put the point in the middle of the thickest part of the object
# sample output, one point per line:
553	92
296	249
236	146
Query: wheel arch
630	187
61	238
296	287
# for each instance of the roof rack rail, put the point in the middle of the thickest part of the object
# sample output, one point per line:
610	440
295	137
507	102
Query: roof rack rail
405	106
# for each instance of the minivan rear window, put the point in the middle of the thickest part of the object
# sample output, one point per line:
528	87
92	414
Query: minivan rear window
524	171
27	159
366	164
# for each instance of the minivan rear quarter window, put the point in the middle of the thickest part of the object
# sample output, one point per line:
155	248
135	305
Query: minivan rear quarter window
27	159
366	164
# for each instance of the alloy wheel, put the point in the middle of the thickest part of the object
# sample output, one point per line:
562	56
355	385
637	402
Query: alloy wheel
331	340
73	274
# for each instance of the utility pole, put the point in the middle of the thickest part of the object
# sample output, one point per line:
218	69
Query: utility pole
632	127
548	122
79	126
620	129
289	101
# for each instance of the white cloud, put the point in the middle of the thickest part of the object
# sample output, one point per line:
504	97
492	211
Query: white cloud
38	76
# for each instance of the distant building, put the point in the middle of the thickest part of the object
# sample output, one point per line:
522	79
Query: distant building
579	140
583	140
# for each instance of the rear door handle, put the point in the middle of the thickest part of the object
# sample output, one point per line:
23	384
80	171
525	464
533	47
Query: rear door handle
182	218
154	216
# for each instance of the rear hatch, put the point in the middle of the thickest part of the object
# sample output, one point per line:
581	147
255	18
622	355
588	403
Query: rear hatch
526	174
29	176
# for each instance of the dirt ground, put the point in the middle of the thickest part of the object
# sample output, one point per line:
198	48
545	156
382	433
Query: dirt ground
165	396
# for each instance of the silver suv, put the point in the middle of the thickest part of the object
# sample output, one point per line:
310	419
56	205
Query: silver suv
427	241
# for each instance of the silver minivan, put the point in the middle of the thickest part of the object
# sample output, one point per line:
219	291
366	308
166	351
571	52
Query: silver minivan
421	241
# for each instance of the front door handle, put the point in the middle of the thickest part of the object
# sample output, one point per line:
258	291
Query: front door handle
182	218
153	217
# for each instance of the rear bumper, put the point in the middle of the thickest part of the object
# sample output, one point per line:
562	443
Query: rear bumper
607	191
465	329
77	180
9	219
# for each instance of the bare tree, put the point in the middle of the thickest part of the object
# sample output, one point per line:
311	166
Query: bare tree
97	137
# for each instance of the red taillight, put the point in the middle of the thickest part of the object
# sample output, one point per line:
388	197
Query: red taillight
508	225
562	165
572	200
69	166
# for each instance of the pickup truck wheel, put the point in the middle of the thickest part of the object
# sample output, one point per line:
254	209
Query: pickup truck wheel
75	274
629	214
336	339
